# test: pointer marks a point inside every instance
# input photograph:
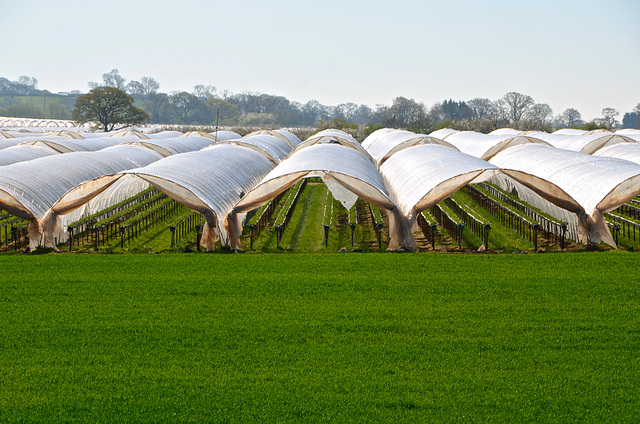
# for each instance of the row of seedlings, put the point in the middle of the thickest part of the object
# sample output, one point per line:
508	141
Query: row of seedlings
110	218
469	220
353	221
290	201
429	227
553	229
378	223
327	220
448	222
185	226
261	217
516	215
13	230
134	227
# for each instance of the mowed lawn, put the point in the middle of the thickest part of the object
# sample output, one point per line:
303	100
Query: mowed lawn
327	337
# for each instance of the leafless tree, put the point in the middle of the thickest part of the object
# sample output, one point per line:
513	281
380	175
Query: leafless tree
515	105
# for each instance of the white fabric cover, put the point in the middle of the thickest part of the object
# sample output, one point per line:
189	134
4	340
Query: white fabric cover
626	151
174	145
209	181
17	154
388	144
443	133
337	165
485	146
583	184
332	137
585	143
420	176
29	189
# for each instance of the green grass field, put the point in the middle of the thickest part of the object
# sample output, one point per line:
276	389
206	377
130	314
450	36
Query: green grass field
376	337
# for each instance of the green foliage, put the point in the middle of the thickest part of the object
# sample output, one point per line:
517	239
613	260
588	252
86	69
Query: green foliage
594	125
370	128
110	107
313	338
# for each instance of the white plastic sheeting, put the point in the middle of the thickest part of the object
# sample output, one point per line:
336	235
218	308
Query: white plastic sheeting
129	133
210	182
223	135
374	136
65	145
174	145
29	189
285	135
275	148
17	154
626	151
348	174
420	176
485	146
9	142
583	184
385	145
5	135
584	143
332	136
443	133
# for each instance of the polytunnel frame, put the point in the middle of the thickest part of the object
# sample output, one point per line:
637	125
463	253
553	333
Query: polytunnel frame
336	180
88	190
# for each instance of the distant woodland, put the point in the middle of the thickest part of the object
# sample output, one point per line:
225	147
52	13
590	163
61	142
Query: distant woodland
206	105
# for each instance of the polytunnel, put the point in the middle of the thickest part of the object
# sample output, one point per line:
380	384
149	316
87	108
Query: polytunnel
485	146
332	137
443	133
23	153
374	136
174	145
224	135
348	174
287	136
386	145
210	182
29	189
129	133
63	145
5	135
506	131
275	147
65	134
626	151
584	143
200	134
583	184
9	142
420	176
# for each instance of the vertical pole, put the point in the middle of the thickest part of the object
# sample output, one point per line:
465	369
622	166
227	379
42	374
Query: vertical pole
326	236
198	237
173	235
535	237
434	227
461	228
251	227
70	230
353	229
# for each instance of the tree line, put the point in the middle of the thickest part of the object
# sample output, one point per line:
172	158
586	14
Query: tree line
206	105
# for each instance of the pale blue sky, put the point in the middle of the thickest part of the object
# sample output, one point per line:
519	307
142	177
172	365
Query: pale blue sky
583	54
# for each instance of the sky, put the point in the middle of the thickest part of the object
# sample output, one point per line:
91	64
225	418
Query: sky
582	54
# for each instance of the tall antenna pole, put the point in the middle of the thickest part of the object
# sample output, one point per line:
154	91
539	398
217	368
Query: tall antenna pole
217	120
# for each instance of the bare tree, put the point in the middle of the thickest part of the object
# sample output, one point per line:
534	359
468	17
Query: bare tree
150	85
482	108
114	79
540	112
609	117
204	92
515	105
570	118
